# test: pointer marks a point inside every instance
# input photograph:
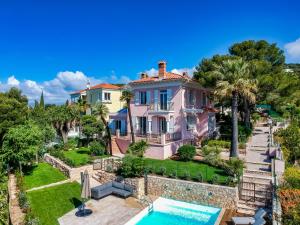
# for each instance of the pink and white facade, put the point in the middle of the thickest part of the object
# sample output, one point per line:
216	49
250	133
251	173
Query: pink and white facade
170	110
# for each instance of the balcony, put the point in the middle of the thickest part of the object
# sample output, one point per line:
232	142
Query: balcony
192	109
158	107
159	138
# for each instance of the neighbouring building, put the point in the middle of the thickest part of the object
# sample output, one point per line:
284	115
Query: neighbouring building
170	110
107	94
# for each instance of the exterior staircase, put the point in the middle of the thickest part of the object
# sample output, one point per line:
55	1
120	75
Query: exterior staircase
255	191
255	187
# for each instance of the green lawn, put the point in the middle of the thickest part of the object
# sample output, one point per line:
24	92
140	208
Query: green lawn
80	157
193	168
42	174
51	203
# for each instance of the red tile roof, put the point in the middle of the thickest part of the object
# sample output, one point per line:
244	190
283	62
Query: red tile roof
103	85
106	86
78	92
169	76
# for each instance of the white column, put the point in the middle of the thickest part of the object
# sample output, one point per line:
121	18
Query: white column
168	126
149	126
163	139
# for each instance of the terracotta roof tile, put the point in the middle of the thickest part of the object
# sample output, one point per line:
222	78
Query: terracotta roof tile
78	92
106	86
170	76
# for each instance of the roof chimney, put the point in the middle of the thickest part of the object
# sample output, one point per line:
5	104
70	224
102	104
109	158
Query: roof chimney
88	85
144	75
162	69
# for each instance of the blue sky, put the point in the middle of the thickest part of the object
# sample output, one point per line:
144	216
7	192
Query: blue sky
57	45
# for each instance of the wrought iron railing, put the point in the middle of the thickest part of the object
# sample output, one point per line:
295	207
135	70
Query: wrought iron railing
162	107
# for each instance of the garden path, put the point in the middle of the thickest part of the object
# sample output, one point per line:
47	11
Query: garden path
16	214
49	185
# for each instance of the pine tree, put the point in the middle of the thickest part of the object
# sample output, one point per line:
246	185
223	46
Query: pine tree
42	103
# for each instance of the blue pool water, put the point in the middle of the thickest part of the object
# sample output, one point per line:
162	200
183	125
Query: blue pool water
171	212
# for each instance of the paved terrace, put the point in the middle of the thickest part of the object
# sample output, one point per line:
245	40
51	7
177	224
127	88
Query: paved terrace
109	210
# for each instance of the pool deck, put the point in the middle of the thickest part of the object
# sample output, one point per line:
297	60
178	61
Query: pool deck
109	210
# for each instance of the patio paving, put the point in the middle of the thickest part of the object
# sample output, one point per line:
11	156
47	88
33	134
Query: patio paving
110	210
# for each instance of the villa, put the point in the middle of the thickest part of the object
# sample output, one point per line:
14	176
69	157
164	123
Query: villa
107	94
169	110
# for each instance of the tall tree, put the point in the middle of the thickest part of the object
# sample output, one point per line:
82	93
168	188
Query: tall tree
13	110
63	119
127	96
102	111
21	144
89	126
42	102
233	82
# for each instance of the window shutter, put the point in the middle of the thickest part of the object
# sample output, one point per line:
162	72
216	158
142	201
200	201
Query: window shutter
148	98
169	94
111	124
137	98
134	123
155	99
137	123
123	126
171	125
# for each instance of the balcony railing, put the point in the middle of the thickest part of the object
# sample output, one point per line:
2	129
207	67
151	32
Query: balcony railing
158	107
191	108
159	138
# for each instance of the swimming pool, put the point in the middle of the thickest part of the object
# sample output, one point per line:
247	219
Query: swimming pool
172	212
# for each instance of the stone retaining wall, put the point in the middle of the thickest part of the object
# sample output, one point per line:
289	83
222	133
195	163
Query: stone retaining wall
64	168
201	193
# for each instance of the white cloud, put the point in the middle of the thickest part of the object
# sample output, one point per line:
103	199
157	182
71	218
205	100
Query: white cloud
190	71
12	81
293	50
58	89
151	72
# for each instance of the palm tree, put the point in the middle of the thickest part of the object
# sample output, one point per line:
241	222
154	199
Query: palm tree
127	96
234	82
102	111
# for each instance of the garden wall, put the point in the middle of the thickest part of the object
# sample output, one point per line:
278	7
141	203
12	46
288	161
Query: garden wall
64	168
201	193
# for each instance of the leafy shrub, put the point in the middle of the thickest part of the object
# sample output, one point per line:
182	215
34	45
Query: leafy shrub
244	133
229	181
242	145
73	142
186	175
23	202
30	219
4	214
97	148
199	177
173	174
292	177
149	169
60	155
219	143
132	166
162	171
235	166
187	152
138	148
211	155
215	179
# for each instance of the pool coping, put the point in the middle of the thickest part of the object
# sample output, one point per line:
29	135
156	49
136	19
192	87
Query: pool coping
221	214
145	211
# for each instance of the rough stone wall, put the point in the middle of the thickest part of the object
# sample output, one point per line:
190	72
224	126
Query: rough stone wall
138	184
65	169
207	194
